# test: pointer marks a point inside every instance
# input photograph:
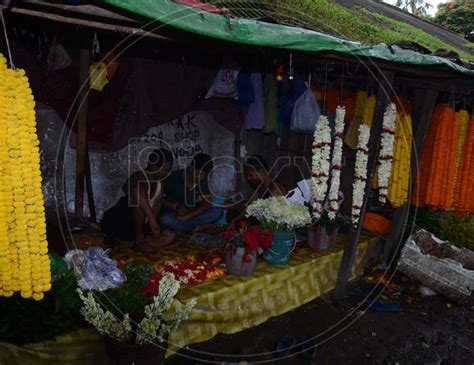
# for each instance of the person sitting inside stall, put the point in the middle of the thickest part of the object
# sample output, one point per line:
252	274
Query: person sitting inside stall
188	199
259	179
136	214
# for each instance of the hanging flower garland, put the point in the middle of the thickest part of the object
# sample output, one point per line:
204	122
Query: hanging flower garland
463	124
320	165
360	173
464	192
363	114
400	177
24	263
386	151
336	163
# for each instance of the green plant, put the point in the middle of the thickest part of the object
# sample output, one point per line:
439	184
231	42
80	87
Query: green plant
27	321
458	231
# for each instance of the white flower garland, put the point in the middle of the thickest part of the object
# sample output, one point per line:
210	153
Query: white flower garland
336	163
386	151
320	165
360	173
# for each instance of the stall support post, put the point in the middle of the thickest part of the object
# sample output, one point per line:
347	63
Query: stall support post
90	192
384	79
84	62
423	107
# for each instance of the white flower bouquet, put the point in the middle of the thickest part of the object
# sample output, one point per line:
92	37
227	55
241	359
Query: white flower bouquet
279	214
155	326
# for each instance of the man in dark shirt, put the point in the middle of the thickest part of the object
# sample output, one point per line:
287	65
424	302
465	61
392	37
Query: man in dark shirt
187	197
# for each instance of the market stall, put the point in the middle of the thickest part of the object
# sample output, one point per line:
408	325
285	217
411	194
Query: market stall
344	142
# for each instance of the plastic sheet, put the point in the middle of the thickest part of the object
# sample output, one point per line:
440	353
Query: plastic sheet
95	269
252	32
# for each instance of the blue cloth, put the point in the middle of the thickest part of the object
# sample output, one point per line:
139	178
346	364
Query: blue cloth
169	219
245	91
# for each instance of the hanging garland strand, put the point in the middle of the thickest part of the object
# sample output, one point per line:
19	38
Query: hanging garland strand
320	165
24	261
336	163
360	173
386	151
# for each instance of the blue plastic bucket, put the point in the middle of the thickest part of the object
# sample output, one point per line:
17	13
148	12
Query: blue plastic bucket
281	248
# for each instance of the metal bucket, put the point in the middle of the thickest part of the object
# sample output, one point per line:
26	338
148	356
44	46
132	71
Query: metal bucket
235	263
282	246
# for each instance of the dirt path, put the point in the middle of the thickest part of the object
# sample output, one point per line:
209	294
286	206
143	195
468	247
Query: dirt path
428	330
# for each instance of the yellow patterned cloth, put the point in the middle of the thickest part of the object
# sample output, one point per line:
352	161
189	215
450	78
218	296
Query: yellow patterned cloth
234	303
227	305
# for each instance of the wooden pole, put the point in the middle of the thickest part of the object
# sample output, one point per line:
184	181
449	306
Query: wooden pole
90	191
383	97
238	162
84	62
423	106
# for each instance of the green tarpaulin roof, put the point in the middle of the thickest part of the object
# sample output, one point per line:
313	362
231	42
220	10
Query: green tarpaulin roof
252	32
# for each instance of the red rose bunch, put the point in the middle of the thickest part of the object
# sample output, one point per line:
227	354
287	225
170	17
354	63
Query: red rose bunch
253	238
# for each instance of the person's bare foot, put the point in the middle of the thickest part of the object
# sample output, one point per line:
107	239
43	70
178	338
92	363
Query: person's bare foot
167	238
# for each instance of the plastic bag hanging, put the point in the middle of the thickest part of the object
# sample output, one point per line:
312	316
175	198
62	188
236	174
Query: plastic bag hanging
306	112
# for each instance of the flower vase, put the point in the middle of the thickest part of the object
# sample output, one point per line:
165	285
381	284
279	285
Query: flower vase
282	245
236	262
319	240
126	354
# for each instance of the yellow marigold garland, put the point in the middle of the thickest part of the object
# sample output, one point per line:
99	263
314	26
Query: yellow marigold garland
363	114
24	263
400	177
463	124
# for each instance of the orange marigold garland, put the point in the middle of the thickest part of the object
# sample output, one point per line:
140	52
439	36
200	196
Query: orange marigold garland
436	178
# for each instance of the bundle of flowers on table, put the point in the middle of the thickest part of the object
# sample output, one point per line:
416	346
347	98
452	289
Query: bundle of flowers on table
283	217
279	214
191	270
251	238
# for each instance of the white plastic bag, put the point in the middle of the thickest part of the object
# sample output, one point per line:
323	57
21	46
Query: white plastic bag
306	112
225	82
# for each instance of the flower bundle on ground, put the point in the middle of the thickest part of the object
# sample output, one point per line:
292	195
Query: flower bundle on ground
320	165
24	261
190	270
155	326
360	173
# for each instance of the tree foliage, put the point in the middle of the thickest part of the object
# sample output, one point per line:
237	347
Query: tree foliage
458	16
416	7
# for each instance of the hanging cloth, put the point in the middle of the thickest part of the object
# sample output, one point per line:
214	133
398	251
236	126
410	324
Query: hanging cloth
271	103
256	114
245	91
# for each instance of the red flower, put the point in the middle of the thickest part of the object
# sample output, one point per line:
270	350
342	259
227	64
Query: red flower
229	234
266	238
152	288
250	238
